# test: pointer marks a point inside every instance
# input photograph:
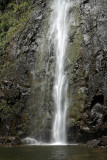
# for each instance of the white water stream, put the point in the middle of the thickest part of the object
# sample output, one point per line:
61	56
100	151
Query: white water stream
59	30
58	37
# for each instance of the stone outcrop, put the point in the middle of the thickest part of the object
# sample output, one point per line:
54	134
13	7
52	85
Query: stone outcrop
27	75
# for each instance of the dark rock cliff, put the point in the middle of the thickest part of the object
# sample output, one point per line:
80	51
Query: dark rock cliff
92	124
27	73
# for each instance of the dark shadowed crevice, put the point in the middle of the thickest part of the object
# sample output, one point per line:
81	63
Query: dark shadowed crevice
85	1
97	99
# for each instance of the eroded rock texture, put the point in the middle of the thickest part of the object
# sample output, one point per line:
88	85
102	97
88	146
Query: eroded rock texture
93	120
26	81
94	117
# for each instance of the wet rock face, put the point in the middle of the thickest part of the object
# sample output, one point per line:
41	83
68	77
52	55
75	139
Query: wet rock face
87	85
98	143
94	123
26	83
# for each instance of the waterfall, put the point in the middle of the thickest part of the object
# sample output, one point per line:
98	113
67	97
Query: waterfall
59	29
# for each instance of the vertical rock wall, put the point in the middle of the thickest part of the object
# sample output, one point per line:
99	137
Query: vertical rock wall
26	77
89	86
93	22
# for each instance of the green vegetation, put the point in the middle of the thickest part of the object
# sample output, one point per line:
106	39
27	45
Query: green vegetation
12	19
5	110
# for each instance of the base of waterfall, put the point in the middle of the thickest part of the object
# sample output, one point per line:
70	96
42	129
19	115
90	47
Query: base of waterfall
32	141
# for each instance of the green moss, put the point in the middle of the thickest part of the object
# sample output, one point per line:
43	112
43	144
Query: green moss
12	20
78	70
4	110
6	68
76	48
25	122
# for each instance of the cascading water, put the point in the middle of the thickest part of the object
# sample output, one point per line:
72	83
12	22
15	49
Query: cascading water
58	36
